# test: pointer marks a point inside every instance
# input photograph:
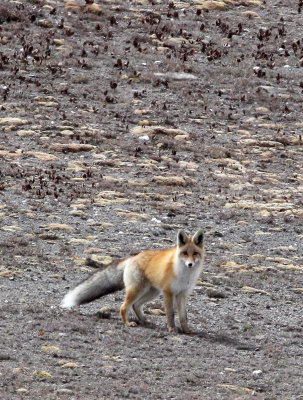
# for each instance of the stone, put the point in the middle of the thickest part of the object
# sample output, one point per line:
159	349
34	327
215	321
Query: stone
57	226
13	121
50	349
25	133
250	14
22	390
232	265
69	365
130	214
11	228
92	8
248	289
215	294
237	389
79	242
155	311
141	112
146	122
43	156
7	274
64	391
256	3
58	42
44	23
173	180
71	147
156	130
178	76
97	261
11	154
72	6
182	138
262	110
257	372
42	374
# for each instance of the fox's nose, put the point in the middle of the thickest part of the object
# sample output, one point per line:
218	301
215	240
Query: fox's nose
190	265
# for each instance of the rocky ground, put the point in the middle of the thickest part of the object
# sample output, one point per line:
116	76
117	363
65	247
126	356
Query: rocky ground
122	121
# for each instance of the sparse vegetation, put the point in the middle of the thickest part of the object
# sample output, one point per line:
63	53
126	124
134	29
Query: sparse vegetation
119	123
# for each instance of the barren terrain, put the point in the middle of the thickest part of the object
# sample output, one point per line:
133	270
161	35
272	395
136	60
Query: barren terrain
121	122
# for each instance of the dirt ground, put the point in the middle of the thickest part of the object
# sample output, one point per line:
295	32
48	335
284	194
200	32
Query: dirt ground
120	122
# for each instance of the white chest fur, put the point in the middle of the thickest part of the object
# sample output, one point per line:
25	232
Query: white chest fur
186	278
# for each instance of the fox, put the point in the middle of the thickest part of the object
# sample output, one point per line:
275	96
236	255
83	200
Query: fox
173	271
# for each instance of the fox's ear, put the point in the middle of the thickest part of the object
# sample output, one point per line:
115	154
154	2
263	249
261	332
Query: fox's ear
198	238
182	238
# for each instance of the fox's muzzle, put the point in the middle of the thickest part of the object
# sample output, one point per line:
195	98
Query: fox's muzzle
189	264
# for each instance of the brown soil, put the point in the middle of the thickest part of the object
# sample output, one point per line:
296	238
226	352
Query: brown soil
122	121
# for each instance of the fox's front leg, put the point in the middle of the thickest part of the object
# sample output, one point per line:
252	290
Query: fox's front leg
181	305
181	299
169	309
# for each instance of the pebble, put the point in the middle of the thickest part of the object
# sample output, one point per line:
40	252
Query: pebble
61	227
67	132
236	389
50	348
25	133
22	390
43	156
44	23
215	294
250	14
252	290
155	311
144	137
173	180
257	372
213	5
70	365
99	260
79	242
42	374
297	290
262	110
71	147
181	138
178	76
58	42
156	130
64	391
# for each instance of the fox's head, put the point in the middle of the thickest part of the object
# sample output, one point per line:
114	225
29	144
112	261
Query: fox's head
191	248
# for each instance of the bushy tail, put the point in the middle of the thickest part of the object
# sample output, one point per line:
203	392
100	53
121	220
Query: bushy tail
97	285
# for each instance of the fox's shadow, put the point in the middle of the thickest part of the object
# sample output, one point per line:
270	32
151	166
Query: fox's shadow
226	340
219	338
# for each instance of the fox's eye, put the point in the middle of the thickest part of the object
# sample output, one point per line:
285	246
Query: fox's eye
195	254
185	253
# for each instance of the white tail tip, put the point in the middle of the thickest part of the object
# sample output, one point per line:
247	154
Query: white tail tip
69	300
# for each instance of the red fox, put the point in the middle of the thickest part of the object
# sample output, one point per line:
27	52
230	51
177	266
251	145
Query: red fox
173	271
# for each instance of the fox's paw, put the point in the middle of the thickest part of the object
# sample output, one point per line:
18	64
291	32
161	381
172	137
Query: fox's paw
131	324
173	329
189	331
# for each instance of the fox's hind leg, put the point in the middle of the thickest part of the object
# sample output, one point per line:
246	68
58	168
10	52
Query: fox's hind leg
132	293
136	286
149	295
